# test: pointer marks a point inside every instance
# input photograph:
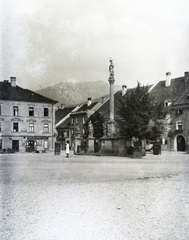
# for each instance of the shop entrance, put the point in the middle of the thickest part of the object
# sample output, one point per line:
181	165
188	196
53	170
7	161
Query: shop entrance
15	145
30	147
180	143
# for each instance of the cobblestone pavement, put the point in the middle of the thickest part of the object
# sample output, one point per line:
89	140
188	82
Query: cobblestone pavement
47	197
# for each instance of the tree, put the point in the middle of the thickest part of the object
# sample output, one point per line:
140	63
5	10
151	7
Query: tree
139	114
97	121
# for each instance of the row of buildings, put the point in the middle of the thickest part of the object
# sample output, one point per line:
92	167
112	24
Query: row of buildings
171	93
31	122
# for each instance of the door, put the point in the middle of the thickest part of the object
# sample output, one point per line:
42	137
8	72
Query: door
15	145
180	143
30	146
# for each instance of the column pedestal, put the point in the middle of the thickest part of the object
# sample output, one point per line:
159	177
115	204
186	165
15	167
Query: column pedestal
90	144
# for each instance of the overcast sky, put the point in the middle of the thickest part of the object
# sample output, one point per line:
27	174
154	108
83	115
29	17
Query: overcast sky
45	42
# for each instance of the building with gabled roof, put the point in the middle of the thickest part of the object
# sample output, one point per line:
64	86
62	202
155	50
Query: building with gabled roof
173	95
27	119
63	122
79	117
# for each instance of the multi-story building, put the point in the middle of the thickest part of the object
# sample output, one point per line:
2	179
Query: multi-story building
63	122
179	132
27	119
79	118
172	93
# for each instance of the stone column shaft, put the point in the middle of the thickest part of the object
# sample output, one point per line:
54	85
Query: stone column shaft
111	100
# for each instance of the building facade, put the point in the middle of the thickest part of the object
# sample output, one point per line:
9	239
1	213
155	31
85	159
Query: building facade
173	94
63	123
27	119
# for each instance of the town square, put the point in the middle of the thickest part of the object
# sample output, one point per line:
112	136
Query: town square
93	197
94	120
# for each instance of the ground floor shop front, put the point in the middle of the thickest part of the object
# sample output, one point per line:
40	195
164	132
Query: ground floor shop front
26	144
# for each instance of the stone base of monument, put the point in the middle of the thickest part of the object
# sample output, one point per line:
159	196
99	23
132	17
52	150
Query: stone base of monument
111	129
90	144
109	146
120	147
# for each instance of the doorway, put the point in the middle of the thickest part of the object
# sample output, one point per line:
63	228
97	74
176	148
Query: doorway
15	145
180	143
30	147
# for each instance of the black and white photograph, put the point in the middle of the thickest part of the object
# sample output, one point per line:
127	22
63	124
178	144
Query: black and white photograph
94	120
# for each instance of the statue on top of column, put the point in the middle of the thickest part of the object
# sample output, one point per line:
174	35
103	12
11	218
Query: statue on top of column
111	68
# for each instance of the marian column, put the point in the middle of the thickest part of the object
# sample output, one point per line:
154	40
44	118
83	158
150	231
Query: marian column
111	124
111	81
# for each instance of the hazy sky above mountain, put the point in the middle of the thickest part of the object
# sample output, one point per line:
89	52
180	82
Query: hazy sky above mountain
45	42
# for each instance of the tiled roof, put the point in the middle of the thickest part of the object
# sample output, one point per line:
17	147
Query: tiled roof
183	99
85	107
7	92
105	108
65	124
61	113
160	92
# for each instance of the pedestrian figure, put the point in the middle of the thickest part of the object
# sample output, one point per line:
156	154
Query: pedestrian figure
67	149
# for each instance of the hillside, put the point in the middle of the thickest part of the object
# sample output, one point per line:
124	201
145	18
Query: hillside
71	93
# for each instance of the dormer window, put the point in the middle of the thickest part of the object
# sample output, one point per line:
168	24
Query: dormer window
167	103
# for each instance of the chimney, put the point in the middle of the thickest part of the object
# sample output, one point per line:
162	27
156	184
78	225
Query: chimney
186	76
168	79
88	102
13	81
124	90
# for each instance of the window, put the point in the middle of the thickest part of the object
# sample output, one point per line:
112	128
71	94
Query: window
179	125
15	110
178	112
167	103
0	126
31	127
73	120
0	109
77	119
67	134
46	112
31	111
46	128
1	144
83	119
15	127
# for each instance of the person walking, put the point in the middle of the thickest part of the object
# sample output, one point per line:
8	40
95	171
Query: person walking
67	149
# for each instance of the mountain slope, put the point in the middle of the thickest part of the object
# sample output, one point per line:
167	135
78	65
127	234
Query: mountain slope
71	93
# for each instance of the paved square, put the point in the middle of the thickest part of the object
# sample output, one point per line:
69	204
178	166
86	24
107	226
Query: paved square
47	197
